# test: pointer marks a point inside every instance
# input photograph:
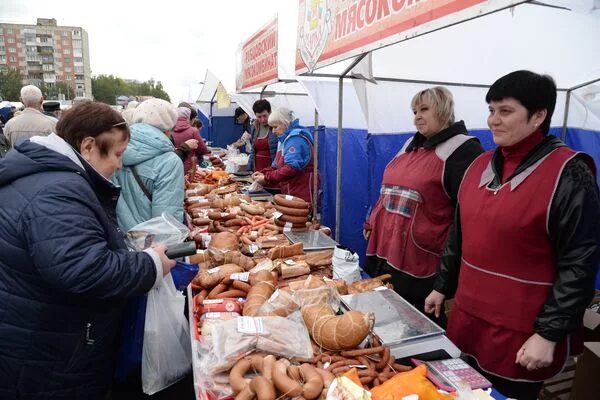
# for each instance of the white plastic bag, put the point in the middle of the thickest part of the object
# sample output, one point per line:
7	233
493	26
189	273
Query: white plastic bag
345	265
166	354
158	230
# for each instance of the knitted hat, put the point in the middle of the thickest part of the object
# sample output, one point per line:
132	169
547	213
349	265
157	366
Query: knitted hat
156	112
184	112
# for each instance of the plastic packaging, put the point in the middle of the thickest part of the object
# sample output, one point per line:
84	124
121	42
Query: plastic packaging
183	273
285	302
345	265
166	353
159	230
233	339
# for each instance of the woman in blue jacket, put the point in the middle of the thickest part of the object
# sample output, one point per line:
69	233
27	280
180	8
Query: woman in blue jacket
152	182
65	271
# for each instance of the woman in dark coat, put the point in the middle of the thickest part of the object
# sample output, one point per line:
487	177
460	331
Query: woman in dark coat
65	270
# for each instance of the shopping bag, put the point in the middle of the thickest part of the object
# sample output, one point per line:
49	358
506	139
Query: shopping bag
158	230
183	273
345	264
166	354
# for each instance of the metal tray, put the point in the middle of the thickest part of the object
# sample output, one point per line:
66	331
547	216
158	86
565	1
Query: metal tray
312	240
396	320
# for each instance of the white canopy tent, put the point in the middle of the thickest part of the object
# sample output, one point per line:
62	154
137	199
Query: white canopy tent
556	37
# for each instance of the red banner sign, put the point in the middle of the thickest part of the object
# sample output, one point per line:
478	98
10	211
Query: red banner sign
257	58
333	30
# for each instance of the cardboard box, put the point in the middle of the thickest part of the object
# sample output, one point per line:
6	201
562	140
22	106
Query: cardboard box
591	323
587	385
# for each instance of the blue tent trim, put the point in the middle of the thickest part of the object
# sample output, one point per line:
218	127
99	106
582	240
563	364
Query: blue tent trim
365	157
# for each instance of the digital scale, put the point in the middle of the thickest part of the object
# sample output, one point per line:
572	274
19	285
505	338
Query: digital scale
400	326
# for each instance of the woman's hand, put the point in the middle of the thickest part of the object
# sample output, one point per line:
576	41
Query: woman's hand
259	178
192	143
366	234
537	352
167	263
433	303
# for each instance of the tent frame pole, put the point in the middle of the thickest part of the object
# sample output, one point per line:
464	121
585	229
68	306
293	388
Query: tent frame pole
563	135
340	143
568	104
315	191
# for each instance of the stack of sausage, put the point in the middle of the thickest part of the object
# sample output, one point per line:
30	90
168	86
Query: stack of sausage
293	212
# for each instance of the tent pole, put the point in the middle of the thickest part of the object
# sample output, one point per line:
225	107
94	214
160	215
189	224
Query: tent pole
338	186
315	192
566	118
568	103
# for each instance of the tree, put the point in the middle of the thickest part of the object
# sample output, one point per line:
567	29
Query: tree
11	82
52	92
107	88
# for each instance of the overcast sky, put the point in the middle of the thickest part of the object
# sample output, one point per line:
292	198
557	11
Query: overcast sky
172	41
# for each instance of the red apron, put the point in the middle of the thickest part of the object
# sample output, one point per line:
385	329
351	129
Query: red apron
412	217
508	265
262	154
300	185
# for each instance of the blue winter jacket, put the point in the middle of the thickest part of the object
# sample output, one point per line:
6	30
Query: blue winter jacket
151	152
64	274
294	145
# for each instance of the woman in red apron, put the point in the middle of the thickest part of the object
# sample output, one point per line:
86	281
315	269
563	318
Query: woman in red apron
409	224
264	141
526	242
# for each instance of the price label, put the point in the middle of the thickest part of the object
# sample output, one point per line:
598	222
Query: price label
223	215
287	227
273	296
290	262
214	270
272	238
253	248
288	197
277	215
251	325
213	301
240	276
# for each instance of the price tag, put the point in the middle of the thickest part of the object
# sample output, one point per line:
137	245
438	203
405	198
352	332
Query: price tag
206	239
214	301
288	197
240	276
254	234
380	288
271	238
214	270
277	214
253	248
287	227
290	262
223	215
250	325
273	296
211	315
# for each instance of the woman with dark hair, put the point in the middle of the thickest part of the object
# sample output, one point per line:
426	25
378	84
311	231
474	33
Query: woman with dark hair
65	271
264	141
526	242
409	224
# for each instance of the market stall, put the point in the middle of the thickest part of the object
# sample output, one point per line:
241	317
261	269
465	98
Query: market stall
268	314
465	51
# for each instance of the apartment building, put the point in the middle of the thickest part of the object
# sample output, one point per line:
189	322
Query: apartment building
48	53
